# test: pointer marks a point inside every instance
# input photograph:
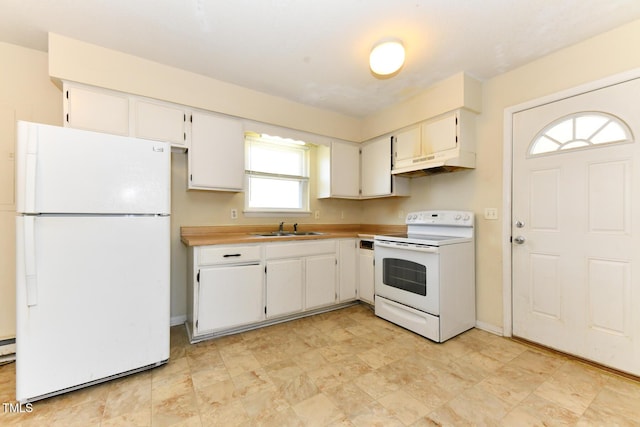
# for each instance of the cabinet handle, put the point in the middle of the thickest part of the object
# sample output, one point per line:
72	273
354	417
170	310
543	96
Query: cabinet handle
231	255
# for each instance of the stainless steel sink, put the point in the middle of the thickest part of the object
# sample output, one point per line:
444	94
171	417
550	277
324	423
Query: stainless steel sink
288	233
274	234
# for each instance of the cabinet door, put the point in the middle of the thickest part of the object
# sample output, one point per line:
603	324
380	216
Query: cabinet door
320	281
216	155
284	287
439	135
366	282
160	122
229	296
96	109
408	144
376	167
345	170
347	268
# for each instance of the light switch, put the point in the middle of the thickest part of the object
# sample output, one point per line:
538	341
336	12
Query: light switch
491	213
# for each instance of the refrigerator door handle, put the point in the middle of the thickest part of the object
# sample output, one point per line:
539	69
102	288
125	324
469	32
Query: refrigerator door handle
31	278
30	173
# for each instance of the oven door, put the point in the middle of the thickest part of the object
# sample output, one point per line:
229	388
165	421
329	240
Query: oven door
408	274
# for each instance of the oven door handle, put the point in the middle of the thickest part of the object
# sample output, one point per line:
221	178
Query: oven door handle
408	247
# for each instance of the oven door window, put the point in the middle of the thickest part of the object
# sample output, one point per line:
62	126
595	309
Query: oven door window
406	275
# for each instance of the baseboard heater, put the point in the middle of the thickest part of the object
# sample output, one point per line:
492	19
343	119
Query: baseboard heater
7	350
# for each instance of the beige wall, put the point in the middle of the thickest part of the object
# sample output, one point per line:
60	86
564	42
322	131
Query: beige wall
26	93
474	190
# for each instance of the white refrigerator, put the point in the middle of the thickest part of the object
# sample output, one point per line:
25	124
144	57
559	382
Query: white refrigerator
92	258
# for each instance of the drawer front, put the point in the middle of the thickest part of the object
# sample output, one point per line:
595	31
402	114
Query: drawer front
295	250
415	320
228	254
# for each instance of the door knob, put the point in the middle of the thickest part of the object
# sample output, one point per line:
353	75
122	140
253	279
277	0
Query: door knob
519	224
519	240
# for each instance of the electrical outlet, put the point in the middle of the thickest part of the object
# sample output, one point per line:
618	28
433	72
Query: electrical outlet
317	214
490	213
234	213
401	214
341	214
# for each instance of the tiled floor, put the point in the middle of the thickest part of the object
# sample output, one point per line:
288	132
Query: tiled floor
345	368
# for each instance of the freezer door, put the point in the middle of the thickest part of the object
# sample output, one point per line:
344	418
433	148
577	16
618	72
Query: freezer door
92	299
63	170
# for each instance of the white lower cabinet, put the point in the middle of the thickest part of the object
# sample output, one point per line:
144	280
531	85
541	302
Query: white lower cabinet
320	281
311	274
225	288
283	287
229	296
347	268
237	287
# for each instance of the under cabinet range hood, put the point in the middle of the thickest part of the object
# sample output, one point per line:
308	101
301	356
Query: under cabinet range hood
443	144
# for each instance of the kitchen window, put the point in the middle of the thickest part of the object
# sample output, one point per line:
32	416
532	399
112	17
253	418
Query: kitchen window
277	174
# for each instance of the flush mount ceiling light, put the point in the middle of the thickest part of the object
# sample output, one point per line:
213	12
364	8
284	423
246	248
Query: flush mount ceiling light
386	57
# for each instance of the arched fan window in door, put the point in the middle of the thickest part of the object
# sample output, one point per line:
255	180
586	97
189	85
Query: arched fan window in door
580	130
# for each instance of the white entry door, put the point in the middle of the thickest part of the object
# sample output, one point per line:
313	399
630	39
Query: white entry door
576	225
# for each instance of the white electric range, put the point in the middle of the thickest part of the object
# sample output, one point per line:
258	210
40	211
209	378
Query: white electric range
425	279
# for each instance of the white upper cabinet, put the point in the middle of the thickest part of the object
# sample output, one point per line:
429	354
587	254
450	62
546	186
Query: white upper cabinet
376	178
96	109
439	135
376	167
160	122
444	143
338	170
216	155
108	111
408	144
417	143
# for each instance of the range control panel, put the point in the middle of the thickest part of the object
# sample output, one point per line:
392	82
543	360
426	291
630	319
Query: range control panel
455	218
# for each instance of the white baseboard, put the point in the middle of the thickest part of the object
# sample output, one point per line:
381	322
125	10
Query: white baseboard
489	328
178	320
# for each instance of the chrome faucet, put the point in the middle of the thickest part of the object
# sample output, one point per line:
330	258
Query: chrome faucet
281	227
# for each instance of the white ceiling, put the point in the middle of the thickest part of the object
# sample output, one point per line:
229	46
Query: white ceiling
316	51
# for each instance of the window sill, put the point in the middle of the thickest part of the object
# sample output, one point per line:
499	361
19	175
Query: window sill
275	214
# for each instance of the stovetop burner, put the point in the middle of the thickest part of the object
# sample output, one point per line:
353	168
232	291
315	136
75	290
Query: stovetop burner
434	228
422	239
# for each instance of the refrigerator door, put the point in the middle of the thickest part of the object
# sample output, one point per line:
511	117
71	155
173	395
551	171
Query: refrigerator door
92	299
63	170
